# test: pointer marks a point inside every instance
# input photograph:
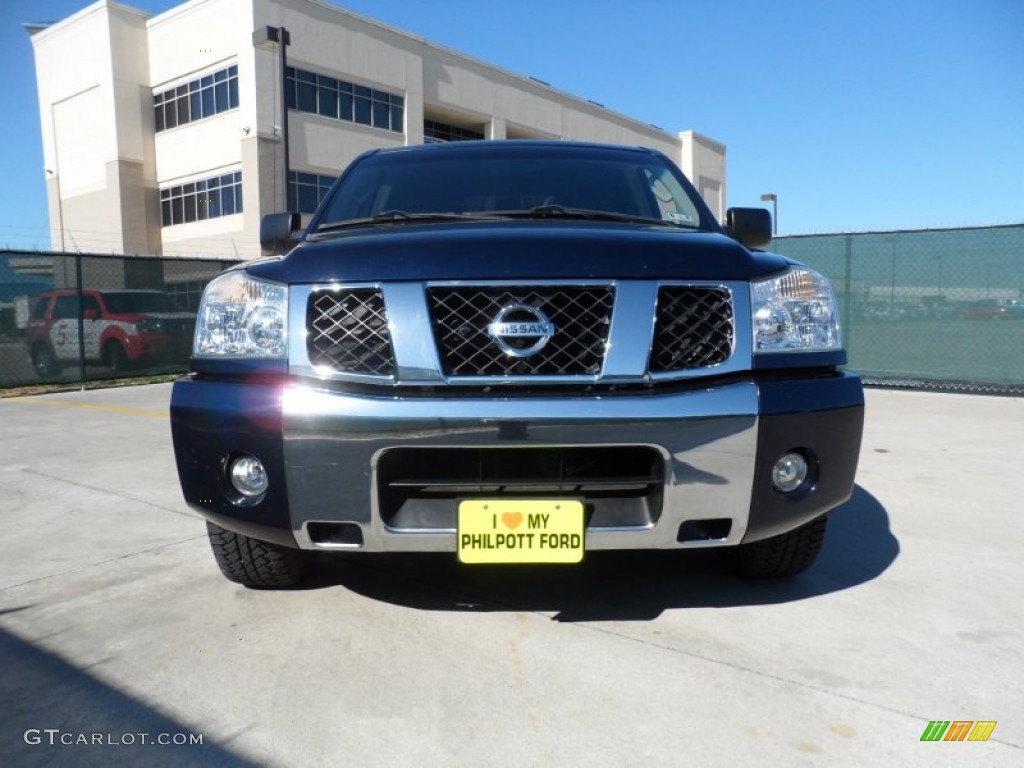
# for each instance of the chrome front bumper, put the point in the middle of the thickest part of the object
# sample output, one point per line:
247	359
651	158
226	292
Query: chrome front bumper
333	441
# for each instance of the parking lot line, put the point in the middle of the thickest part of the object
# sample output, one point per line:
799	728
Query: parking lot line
91	406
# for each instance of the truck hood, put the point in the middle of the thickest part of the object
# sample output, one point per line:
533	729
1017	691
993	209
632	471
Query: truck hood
518	250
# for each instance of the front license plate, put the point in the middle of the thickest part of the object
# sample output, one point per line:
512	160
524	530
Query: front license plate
520	531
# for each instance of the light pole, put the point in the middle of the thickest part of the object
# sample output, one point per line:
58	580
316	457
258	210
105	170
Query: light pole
771	197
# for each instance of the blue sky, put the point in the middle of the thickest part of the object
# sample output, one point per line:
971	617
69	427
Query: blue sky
860	115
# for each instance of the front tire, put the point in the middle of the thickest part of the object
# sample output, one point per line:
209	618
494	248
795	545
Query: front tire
784	555
44	363
115	357
254	563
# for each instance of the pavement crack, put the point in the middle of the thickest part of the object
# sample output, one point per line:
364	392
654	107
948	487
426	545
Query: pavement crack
90	566
107	491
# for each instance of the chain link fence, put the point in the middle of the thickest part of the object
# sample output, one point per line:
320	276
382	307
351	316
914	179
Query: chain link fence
937	309
79	317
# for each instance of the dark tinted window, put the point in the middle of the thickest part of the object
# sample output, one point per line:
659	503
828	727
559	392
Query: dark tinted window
327	96
196	99
307	97
199	200
434	130
306	190
65	307
89	302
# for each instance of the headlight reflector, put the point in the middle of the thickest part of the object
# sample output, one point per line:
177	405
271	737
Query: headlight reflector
241	316
794	312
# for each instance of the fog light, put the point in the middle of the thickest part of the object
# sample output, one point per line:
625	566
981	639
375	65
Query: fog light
789	472
248	476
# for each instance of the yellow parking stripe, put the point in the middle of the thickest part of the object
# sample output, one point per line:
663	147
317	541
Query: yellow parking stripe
109	408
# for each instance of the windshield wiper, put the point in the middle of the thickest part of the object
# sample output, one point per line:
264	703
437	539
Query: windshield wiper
537	212
560	211
399	217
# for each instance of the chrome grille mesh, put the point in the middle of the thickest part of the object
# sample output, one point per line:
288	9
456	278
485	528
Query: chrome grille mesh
693	329
348	331
581	316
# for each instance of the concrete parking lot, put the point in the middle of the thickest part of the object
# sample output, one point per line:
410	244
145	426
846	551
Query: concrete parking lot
116	627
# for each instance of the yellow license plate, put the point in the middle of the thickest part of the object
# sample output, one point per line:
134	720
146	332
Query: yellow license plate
520	531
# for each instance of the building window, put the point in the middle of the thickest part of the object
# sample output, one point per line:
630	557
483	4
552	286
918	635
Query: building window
434	132
306	190
199	200
327	96
209	95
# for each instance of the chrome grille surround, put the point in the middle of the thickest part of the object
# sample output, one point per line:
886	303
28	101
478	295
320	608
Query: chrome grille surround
628	341
461	315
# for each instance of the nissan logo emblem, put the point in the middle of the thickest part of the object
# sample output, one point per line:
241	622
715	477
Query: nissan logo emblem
521	330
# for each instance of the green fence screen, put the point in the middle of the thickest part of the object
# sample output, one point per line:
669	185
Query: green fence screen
73	317
939	308
933	308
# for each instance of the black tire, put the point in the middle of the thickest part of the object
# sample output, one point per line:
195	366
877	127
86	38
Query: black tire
255	563
115	357
44	363
784	555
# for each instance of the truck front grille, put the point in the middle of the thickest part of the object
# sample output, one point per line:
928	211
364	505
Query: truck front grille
693	329
348	331
477	334
581	316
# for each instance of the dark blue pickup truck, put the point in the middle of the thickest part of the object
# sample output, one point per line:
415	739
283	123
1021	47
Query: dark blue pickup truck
516	352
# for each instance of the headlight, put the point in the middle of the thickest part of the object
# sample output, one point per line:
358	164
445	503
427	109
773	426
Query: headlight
795	312
242	317
149	326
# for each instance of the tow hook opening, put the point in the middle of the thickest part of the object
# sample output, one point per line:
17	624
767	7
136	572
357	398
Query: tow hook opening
348	535
715	529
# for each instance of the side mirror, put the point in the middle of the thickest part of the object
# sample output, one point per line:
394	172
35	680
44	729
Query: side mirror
91	314
751	226
277	231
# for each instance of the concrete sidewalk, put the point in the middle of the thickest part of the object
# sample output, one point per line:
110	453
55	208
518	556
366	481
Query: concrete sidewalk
115	622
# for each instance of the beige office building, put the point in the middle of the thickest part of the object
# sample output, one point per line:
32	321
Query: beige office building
163	134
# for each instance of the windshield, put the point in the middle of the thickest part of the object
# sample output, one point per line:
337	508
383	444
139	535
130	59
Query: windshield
628	184
140	302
